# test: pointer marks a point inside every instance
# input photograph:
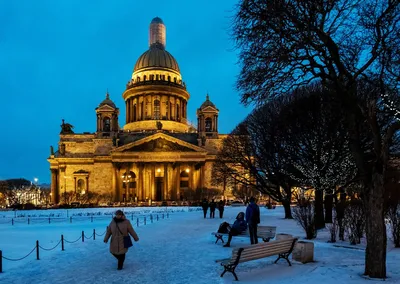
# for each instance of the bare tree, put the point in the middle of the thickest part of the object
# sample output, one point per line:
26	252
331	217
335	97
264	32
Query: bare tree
285	44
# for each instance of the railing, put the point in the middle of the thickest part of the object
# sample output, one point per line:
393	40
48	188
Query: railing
82	237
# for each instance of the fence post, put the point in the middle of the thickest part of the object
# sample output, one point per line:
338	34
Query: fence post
37	250
28	221
145	220
49	220
62	242
157	217
70	219
1	261
163	215
94	234
91	219
151	218
83	236
137	222
12	221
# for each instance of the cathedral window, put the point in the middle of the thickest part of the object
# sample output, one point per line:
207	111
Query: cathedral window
184	179
157	114
208	124
80	187
144	78
106	124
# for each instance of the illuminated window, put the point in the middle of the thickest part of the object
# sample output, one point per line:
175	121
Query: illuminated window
80	186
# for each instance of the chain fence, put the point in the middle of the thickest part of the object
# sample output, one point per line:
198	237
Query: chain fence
37	247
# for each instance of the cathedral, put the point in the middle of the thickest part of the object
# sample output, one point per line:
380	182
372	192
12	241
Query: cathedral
157	155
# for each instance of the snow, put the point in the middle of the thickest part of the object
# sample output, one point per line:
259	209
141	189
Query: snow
179	249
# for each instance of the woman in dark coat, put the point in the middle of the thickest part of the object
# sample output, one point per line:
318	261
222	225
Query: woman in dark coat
221	207
118	228
237	228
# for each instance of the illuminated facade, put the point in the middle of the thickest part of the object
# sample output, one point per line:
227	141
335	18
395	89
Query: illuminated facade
157	155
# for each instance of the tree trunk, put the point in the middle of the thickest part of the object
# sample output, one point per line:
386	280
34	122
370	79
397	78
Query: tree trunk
319	210
328	208
375	256
288	209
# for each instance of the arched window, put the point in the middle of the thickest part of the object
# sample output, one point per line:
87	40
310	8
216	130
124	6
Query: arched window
144	78
138	79
169	78
157	77
208	124
106	124
80	186
157	114
151	77
175	80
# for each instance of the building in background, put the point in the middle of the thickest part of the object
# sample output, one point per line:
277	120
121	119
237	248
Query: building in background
157	155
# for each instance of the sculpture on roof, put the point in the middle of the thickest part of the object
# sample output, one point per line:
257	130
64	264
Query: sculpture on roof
66	128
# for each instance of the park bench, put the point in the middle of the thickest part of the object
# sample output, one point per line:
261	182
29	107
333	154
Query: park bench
282	248
264	232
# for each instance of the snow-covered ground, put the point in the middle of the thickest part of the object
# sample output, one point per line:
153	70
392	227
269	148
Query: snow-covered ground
175	250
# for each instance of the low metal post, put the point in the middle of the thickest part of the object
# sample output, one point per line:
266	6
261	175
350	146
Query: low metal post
49	220
145	220
70	219
157	217
94	234
62	242
28	220
37	250
163	215
83	236
137	222
91	219
12	221
1	261
151	218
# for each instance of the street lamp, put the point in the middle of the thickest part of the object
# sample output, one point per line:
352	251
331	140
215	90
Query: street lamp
126	179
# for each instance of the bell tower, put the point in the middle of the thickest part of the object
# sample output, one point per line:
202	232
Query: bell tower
107	118
207	120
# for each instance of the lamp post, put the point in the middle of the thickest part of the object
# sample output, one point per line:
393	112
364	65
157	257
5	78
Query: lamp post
126	179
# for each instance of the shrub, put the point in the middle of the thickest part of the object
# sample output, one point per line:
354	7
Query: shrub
354	221
304	215
333	228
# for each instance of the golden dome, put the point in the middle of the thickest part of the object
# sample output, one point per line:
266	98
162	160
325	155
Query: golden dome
156	57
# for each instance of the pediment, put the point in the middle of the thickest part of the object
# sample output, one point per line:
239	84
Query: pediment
160	143
209	109
105	108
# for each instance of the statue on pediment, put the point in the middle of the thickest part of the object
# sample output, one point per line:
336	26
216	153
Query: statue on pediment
66	128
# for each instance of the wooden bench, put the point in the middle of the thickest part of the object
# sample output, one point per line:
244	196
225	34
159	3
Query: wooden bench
264	232
282	248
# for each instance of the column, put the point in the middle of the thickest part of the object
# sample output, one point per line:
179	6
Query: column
165	194
127	112
140	182
115	184
54	186
202	176
152	182
137	110
191	173
75	185
178	182
87	185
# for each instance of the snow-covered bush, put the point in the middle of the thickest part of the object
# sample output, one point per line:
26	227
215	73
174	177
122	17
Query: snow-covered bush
333	228
304	215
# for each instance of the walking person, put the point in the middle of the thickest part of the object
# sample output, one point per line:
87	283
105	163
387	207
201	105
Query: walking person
221	207
237	228
253	219
119	228
213	205
204	205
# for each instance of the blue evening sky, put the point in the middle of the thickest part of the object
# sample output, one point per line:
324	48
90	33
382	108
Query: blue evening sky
57	59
